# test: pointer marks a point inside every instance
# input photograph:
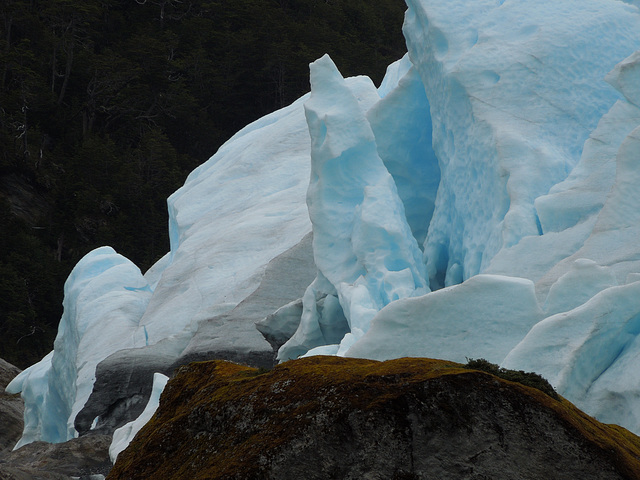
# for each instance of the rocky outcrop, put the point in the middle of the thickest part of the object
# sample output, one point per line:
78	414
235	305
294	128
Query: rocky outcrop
330	417
25	201
85	457
11	410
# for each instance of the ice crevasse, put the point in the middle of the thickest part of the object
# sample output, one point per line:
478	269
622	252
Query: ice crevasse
482	202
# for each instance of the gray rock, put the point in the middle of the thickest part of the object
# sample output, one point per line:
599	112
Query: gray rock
11	410
80	458
122	387
7	373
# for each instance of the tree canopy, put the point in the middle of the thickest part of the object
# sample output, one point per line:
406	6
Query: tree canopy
107	105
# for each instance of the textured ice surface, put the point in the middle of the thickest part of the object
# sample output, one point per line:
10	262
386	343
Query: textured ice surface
122	436
249	197
363	246
515	89
577	242
404	145
33	382
578	285
591	354
395	72
462	321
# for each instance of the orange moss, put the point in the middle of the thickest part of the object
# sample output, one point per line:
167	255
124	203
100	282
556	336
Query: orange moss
283	400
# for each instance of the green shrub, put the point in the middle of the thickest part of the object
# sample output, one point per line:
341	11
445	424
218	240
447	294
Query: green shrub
530	379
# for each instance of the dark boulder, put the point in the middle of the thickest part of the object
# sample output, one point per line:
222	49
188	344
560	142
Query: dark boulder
328	417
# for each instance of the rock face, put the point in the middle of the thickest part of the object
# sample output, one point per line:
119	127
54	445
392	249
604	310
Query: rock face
11	409
330	417
78	458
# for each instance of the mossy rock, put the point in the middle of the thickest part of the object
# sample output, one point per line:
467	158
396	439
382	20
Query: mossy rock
330	417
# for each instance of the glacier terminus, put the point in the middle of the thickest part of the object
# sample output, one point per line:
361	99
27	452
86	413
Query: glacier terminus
482	202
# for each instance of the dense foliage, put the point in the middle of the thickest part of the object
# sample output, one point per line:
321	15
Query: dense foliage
106	105
530	379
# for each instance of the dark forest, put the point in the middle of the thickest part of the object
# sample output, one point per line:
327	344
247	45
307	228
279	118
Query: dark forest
106	106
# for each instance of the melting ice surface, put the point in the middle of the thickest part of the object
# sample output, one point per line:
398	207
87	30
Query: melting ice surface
482	202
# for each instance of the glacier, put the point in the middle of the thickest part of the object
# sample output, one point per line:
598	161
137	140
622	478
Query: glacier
482	202
363	246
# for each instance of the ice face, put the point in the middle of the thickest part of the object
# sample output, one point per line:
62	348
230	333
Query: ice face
363	246
110	306
249	197
509	116
105	297
458	322
576	242
590	354
33	384
404	144
584	280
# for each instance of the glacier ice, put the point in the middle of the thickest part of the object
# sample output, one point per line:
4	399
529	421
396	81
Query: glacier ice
405	146
33	384
509	115
266	170
482	202
590	354
462	321
105	297
363	246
